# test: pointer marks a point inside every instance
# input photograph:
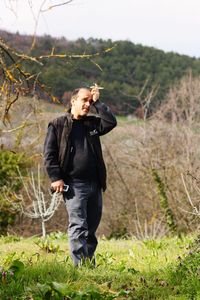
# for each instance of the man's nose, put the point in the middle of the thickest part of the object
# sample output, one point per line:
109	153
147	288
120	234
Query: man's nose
87	103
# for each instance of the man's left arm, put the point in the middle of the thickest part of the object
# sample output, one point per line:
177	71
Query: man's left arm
106	120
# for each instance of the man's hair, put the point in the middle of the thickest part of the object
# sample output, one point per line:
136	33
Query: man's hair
75	92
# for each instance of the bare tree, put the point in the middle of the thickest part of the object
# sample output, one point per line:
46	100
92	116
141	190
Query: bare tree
194	203
149	158
14	80
144	98
182	104
39	207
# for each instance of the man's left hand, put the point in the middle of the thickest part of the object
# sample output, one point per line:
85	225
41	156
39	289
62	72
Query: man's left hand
95	93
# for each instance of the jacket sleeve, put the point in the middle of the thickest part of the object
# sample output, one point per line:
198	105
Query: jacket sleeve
106	120
51	154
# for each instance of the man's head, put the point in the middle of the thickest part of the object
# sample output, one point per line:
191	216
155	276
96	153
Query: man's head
80	101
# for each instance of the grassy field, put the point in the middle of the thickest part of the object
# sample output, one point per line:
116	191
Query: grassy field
32	268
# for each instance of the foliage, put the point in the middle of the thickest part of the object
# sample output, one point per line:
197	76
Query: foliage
126	269
10	163
55	290
123	71
164	203
10	238
9	210
7	275
47	245
185	276
50	244
57	236
15	81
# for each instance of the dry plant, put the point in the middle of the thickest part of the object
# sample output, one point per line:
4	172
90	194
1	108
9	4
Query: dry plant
144	99
192	200
150	230
164	146
44	6
39	207
131	152
27	129
182	104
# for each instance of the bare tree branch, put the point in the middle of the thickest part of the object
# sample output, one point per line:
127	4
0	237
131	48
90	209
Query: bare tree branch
55	5
40	208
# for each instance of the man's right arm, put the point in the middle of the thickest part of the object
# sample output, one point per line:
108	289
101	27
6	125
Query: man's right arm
51	159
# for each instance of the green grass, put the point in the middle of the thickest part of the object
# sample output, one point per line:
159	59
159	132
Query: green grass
126	269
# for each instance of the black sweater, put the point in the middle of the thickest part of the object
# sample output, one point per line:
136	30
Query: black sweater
82	162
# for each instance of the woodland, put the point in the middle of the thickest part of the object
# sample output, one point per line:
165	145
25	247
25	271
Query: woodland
123	68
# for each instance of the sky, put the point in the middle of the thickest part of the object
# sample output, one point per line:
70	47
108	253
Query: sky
169	25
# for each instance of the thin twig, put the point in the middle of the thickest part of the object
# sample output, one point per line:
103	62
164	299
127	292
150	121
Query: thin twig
56	5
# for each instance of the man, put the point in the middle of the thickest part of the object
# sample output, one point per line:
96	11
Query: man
73	156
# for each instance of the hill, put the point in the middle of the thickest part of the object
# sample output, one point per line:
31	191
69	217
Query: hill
123	71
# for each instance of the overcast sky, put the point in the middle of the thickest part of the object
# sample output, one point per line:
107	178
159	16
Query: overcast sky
170	25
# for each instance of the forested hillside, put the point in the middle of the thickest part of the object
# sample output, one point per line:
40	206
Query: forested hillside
123	71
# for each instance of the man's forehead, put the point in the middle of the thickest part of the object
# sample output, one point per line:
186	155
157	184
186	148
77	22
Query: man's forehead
84	93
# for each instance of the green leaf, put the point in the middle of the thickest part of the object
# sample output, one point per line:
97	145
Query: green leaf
16	266
61	288
45	290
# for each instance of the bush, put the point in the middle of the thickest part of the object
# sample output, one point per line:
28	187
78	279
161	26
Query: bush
10	164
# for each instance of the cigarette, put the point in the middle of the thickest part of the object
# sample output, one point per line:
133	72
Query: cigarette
96	86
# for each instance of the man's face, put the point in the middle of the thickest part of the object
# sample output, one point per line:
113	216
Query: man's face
81	105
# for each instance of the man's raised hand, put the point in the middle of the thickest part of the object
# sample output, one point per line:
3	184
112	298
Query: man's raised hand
95	92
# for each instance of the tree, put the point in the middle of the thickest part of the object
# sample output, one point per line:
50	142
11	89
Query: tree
15	80
39	207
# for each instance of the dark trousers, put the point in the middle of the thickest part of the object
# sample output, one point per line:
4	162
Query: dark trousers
84	206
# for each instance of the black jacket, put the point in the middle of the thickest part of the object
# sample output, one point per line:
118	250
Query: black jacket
57	142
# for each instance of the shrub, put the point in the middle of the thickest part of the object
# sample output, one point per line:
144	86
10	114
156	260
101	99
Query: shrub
10	163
